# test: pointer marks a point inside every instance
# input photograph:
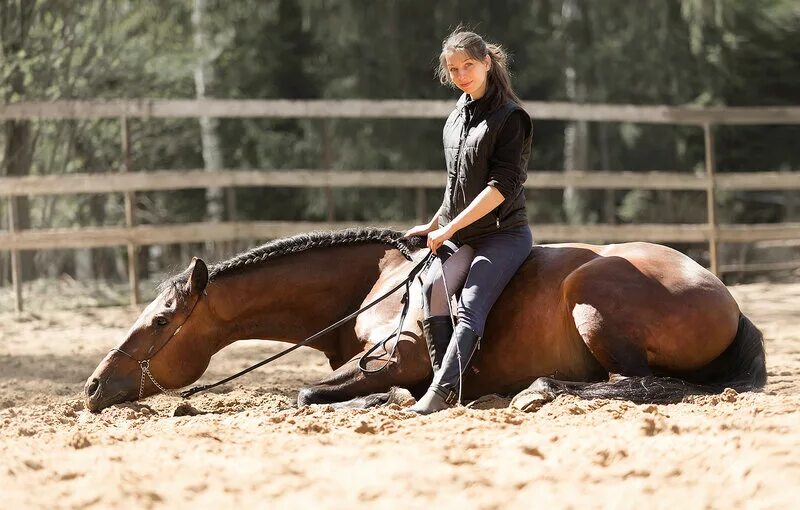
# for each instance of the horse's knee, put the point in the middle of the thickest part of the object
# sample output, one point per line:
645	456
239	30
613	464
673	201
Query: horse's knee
310	395
305	397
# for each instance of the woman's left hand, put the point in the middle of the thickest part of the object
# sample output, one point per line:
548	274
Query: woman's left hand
438	237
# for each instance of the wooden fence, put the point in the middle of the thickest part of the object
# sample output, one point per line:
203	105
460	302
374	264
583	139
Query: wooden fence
128	183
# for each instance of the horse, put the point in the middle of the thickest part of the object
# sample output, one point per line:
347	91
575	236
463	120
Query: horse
635	321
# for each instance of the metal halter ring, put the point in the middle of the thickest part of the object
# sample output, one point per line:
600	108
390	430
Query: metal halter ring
145	366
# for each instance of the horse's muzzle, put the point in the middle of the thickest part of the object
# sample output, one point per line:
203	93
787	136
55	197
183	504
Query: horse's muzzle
100	394
92	387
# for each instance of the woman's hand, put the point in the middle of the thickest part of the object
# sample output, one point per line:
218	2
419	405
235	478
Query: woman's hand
421	230
439	236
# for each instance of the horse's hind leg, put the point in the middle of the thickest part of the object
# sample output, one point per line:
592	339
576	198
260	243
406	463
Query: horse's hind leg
616	337
629	377
544	390
615	340
639	390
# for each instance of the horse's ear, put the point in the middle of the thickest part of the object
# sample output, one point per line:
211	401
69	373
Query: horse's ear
198	276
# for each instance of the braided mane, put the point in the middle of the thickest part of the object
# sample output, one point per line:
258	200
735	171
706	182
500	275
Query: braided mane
303	242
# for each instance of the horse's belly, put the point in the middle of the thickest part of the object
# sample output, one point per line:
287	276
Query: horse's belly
527	337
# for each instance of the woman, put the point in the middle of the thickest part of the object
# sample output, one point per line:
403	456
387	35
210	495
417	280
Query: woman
480	233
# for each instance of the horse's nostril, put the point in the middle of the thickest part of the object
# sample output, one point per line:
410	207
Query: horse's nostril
92	387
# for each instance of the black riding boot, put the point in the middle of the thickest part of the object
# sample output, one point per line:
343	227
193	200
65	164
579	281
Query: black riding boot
443	392
438	331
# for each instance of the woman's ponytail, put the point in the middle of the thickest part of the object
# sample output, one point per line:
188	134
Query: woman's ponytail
499	72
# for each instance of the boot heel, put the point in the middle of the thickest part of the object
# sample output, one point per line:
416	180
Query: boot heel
445	389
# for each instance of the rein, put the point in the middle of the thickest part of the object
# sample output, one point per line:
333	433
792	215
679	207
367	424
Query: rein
406	299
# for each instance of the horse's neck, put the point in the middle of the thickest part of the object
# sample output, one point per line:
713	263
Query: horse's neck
294	296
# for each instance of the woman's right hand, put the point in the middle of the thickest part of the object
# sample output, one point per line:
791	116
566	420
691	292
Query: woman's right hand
421	230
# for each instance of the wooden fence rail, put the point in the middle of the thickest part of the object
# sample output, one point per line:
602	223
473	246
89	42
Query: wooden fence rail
110	182
143	235
414	109
128	183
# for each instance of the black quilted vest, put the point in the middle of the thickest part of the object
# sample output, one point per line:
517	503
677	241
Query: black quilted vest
469	141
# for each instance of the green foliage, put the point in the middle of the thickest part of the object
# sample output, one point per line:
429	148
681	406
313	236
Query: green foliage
676	52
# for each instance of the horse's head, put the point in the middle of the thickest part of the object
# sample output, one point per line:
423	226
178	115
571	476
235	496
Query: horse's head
172	340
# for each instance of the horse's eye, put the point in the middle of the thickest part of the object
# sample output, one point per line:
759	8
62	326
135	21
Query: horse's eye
161	321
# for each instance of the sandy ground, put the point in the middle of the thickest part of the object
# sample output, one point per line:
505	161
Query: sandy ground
254	448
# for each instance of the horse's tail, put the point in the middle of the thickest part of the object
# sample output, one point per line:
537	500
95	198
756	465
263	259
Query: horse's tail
742	366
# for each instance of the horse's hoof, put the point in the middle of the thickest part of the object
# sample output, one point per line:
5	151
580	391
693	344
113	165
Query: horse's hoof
401	397
529	401
538	394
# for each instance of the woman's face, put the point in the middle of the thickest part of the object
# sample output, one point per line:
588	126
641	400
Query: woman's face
467	73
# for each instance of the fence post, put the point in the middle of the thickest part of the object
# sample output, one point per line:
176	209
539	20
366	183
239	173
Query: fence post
327	164
421	206
16	268
711	198
133	272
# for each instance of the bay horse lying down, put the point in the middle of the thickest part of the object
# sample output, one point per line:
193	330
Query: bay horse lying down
636	321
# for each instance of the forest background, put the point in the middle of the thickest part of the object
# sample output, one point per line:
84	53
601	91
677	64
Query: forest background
647	52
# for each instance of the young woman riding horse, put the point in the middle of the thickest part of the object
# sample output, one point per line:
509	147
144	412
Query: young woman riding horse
636	321
480	234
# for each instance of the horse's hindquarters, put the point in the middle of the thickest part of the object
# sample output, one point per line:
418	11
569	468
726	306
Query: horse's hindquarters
635	320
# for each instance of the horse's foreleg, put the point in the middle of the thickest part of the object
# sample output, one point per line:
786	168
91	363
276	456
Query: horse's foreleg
396	395
351	387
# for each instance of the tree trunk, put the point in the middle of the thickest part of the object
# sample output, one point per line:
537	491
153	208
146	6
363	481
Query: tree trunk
4	262
16	20
204	85
576	134
601	87
84	264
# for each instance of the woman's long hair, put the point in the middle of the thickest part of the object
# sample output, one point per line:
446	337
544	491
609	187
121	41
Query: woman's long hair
475	47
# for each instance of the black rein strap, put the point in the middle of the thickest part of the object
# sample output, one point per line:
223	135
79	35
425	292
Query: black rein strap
405	283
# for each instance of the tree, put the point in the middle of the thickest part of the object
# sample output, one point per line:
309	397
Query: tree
16	18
